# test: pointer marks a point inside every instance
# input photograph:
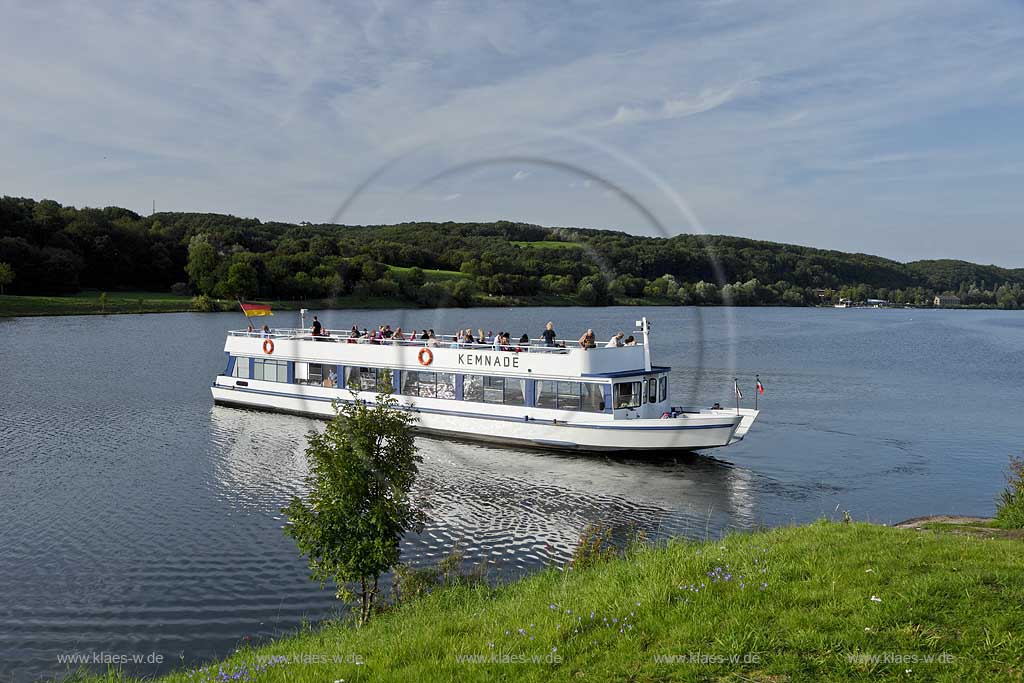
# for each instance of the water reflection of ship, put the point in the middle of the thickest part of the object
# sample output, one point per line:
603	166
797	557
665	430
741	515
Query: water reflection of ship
517	509
485	494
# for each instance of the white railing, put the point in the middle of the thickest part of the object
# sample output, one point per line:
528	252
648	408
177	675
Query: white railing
439	341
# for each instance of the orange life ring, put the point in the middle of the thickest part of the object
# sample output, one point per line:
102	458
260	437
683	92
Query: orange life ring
426	356
268	346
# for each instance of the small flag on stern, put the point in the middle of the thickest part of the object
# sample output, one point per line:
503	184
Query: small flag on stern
251	310
736	386
760	387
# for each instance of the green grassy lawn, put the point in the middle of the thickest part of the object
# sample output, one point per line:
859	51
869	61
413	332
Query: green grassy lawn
432	275
88	303
828	601
548	244
85	303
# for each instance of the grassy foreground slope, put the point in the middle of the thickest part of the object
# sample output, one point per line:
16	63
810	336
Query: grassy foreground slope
828	601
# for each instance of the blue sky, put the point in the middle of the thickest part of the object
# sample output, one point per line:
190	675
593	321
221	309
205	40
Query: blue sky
892	127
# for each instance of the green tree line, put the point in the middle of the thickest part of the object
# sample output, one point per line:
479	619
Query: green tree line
53	249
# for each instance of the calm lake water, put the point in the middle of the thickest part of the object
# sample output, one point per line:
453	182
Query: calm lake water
139	518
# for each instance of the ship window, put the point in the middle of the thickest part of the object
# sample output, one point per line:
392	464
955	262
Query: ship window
270	370
368	379
473	388
445	385
494	389
662	388
241	368
569	396
652	390
592	398
428	384
628	394
504	390
316	374
546	394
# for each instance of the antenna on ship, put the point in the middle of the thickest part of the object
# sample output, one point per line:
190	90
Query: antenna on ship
645	327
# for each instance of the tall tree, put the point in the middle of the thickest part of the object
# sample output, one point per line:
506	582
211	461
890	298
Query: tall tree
361	471
242	280
6	275
202	264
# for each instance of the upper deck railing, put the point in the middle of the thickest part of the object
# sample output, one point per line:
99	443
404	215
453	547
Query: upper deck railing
445	341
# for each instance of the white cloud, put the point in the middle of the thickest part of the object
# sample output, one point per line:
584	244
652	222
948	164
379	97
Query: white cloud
707	100
779	122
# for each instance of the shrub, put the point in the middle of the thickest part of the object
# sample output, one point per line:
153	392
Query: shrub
415	582
595	546
1010	508
202	303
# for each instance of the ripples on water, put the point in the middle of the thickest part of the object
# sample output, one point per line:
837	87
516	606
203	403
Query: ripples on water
138	517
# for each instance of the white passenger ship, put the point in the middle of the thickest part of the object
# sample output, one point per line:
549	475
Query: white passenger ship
599	399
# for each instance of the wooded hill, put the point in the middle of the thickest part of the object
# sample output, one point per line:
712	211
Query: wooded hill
54	249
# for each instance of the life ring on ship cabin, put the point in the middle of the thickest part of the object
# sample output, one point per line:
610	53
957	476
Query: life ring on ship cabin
268	346
425	356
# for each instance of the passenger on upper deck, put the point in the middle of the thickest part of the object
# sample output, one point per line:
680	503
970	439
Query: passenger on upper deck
317	328
266	332
489	339
587	341
616	340
427	334
630	341
524	340
431	339
548	334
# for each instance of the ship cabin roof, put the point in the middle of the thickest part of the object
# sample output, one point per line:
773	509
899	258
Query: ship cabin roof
565	360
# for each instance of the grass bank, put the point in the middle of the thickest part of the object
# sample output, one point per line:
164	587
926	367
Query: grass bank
89	303
827	601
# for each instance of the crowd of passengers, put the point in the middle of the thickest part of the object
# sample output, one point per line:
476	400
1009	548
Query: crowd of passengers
499	341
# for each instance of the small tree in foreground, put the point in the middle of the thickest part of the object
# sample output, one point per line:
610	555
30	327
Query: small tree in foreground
361	471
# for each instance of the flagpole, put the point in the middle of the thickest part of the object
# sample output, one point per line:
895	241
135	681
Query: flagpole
247	323
736	390
757	386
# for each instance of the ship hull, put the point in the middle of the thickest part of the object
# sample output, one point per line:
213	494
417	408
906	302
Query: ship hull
526	427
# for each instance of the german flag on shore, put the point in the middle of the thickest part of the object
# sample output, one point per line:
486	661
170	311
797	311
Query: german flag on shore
252	310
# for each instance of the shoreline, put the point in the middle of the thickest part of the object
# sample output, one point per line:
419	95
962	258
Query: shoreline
822	601
137	303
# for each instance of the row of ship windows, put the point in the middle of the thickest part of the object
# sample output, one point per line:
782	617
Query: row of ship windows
560	395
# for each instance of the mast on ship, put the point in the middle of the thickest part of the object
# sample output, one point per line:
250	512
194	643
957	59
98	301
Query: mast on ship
645	328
